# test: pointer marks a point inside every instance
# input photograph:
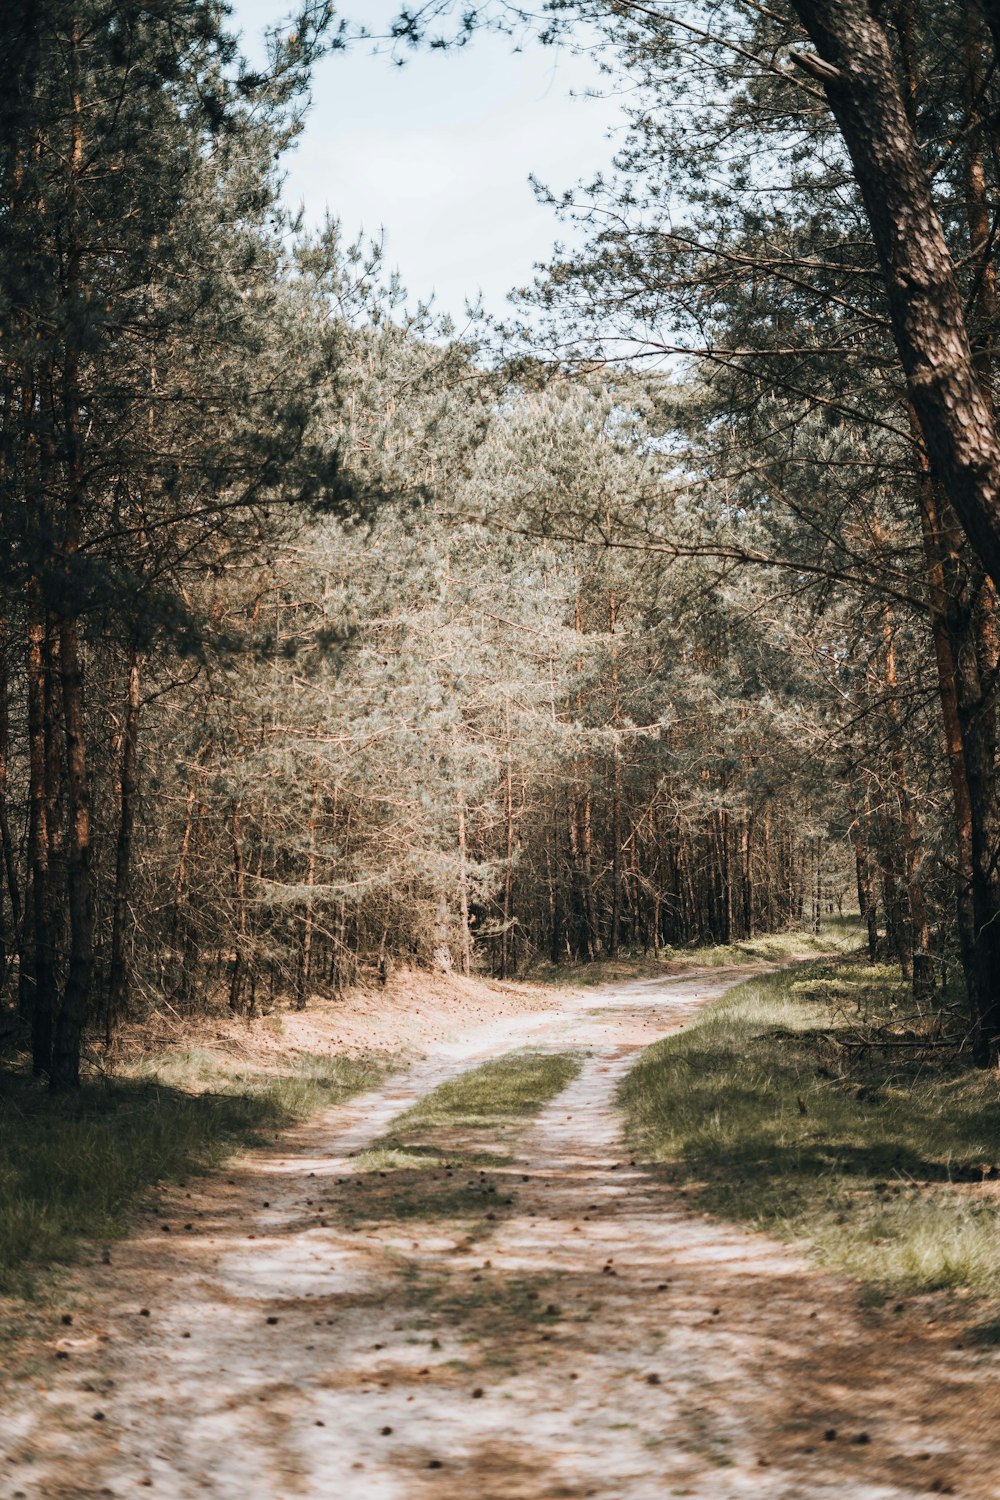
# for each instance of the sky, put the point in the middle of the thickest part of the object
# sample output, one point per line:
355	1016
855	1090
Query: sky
436	155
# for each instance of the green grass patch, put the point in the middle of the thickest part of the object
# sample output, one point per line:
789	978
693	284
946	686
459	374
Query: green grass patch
444	1158
507	1088
839	935
815	1103
73	1169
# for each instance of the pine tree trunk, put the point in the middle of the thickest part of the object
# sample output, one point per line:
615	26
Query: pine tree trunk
592	940
557	936
921	962
578	821
867	905
68	1034
977	691
118	971
924	302
465	939
43	1000
767	900
614	936
180	882
237	982
746	863
305	954
725	878
9	852
952	632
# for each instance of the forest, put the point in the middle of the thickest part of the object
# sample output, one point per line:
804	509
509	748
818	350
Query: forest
332	640
660	615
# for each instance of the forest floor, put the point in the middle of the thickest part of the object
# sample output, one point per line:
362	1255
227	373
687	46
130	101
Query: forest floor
451	1288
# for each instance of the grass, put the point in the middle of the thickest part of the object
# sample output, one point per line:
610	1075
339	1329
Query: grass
74	1169
435	1160
774	1111
839	935
505	1089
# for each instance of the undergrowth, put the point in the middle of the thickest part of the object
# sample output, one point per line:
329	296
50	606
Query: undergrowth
839	935
814	1103
71	1169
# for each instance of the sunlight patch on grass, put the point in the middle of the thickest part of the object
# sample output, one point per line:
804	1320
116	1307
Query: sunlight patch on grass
838	935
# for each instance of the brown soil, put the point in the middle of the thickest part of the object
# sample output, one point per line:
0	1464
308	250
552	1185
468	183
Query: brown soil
415	1012
309	1327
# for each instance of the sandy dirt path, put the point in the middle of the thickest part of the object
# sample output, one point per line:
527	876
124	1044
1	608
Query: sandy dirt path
288	1331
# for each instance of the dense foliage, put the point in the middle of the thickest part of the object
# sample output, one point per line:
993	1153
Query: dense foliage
330	640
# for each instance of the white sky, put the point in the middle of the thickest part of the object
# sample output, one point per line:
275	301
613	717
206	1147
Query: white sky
437	154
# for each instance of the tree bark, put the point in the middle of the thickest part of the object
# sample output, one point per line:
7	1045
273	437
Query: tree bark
43	999
9	853
305	955
118	969
865	876
239	890
857	73
614	936
465	955
68	1033
72	1015
921	963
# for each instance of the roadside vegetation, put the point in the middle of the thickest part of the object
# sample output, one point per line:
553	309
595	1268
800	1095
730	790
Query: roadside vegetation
839	935
820	1102
75	1169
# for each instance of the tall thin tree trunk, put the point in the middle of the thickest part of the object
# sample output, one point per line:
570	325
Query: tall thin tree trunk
9	852
305	955
68	1034
507	904
43	1001
118	969
867	905
238	979
922	964
465	953
614	937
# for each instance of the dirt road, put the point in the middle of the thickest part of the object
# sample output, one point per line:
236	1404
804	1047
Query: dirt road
288	1330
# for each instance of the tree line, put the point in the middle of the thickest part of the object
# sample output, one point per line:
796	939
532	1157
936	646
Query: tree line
802	209
664	615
